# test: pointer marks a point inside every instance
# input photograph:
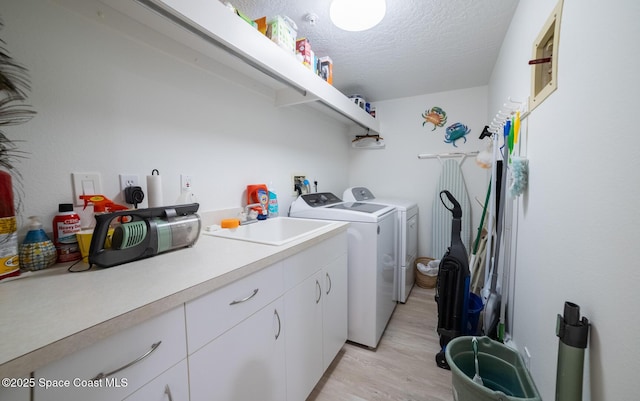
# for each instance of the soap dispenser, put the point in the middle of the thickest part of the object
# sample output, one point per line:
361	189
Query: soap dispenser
36	251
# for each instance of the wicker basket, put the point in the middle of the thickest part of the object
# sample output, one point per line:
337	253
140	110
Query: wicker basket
422	280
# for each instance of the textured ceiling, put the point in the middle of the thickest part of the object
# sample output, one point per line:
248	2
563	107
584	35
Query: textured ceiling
421	46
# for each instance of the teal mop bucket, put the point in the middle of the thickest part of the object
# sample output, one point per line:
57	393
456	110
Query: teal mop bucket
501	368
473	314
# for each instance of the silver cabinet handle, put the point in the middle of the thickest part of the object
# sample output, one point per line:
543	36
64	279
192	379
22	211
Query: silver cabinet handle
275	312
329	280
167	391
239	301
319	291
138	359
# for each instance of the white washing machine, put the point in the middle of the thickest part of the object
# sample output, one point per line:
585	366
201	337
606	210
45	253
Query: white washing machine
407	214
372	259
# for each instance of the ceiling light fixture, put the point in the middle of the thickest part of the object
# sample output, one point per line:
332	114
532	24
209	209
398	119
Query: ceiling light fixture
357	15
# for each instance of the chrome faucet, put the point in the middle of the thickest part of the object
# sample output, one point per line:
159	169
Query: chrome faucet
246	213
246	208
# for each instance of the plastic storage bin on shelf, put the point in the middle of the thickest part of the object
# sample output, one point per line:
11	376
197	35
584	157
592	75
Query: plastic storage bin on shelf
501	368
283	31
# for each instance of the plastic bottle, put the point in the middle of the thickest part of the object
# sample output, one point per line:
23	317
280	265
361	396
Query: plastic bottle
273	203
9	265
65	226
36	251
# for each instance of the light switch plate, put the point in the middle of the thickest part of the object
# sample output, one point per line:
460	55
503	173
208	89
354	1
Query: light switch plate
85	184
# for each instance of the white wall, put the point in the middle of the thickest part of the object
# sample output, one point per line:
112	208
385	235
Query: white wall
109	104
396	171
578	222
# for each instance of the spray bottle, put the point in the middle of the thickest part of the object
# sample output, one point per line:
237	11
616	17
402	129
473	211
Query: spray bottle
573	333
101	204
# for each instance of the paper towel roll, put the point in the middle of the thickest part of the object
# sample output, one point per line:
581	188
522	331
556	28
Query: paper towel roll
154	190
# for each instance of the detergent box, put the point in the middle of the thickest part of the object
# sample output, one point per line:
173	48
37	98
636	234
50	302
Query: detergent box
303	48
326	69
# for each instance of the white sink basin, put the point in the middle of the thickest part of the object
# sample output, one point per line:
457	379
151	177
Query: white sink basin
274	231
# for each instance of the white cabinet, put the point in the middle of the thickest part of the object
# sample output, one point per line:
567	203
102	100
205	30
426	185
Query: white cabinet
316	313
118	365
277	342
211	315
268	336
303	311
172	385
334	310
245	363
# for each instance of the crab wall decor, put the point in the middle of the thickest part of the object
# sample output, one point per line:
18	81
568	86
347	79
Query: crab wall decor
435	116
455	132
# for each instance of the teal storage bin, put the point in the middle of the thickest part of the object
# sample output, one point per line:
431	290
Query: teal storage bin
501	368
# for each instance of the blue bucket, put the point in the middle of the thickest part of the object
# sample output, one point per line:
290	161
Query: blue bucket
473	314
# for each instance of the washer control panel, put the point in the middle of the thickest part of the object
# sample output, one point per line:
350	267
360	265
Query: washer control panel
320	199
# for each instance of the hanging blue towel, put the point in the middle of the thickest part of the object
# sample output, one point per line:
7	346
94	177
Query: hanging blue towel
452	180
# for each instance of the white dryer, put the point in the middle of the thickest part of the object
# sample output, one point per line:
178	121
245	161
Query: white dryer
407	215
372	260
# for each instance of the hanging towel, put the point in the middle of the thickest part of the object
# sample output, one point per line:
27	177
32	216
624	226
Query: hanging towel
452	180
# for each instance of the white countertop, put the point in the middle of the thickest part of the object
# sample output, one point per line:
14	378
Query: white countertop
53	313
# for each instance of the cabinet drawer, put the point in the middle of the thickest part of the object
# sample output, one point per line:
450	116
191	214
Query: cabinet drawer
172	385
302	265
113	353
214	313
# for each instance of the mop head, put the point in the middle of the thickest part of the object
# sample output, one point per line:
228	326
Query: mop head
520	175
484	158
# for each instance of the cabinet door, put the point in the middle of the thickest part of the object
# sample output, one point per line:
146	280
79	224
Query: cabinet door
129	359
334	309
172	385
16	393
303	311
245	363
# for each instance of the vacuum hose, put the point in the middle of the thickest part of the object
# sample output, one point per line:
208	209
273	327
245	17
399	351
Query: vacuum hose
573	334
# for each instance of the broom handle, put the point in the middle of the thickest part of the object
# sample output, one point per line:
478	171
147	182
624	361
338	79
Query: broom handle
484	212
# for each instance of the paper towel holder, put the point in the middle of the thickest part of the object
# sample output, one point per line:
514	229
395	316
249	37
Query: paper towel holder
154	189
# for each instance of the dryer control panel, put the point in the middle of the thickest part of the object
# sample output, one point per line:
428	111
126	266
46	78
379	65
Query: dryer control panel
362	194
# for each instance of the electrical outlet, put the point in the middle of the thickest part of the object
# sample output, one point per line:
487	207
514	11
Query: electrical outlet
186	182
85	184
298	184
129	180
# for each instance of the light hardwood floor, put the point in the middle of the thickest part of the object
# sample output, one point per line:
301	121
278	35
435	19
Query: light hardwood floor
403	366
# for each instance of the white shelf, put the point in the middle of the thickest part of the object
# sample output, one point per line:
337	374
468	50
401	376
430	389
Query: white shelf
210	29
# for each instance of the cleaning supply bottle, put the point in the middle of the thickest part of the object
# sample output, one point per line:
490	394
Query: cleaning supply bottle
273	203
263	199
101	204
65	226
36	251
9	265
